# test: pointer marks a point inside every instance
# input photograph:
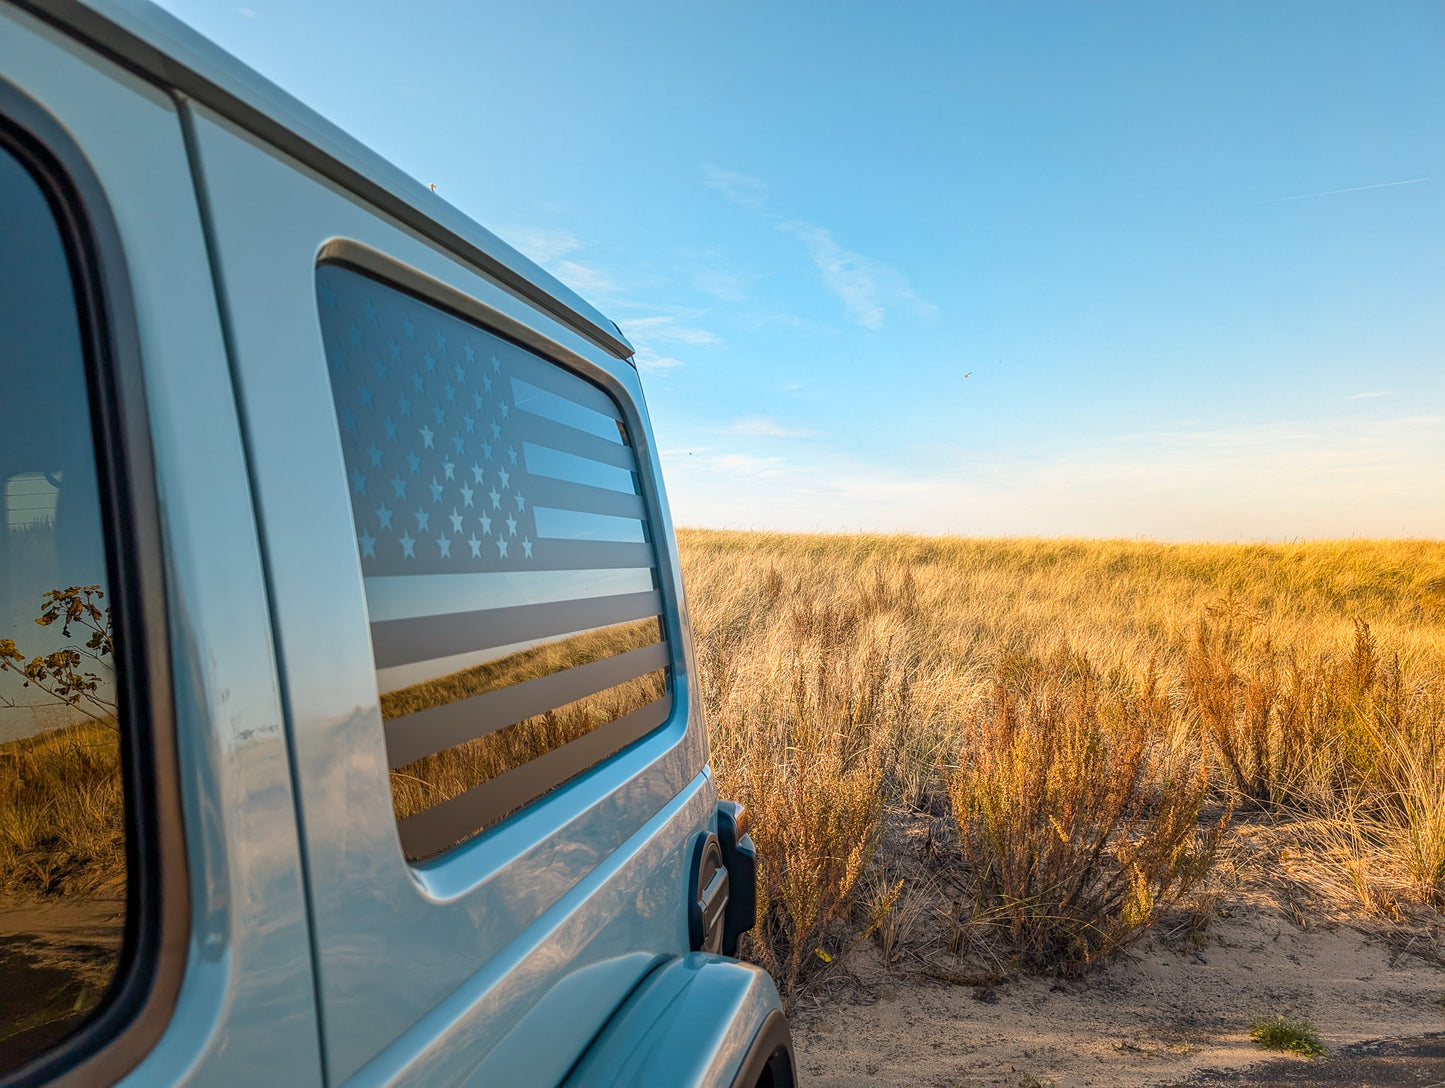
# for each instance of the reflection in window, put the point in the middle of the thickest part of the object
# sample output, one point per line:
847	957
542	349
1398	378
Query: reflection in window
62	827
509	570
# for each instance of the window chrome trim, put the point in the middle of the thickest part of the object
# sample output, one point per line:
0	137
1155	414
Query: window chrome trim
155	946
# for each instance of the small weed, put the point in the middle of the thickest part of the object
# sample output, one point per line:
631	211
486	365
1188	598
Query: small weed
1290	1036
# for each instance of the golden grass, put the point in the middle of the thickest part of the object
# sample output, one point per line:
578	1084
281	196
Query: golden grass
62	813
1079	702
428	781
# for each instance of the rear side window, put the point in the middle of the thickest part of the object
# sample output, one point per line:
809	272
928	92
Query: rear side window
508	560
63	837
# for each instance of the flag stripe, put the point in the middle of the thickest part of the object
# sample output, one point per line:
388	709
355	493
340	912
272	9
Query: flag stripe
412	736
434	830
553	379
563	494
407	596
401	642
540	431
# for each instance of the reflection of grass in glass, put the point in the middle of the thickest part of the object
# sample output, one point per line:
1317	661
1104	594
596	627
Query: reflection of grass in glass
516	668
62	813
426	782
436	778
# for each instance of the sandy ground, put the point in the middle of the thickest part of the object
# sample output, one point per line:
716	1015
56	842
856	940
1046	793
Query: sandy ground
1280	938
1156	1017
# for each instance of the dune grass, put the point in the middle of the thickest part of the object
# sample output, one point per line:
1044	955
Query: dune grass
1074	708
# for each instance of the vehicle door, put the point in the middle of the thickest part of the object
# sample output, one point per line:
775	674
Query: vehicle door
152	921
477	610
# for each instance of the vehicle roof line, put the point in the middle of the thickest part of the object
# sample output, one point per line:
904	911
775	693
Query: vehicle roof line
156	45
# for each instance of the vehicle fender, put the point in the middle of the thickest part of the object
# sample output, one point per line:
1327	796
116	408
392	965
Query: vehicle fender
698	1020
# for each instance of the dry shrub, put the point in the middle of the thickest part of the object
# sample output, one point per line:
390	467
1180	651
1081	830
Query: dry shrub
1078	831
804	744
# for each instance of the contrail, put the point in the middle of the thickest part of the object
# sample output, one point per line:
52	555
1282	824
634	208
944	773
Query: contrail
1351	189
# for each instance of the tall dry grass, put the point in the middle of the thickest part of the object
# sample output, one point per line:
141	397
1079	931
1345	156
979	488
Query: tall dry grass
62	813
1079	704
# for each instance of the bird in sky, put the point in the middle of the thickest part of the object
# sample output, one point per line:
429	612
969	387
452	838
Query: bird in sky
969	374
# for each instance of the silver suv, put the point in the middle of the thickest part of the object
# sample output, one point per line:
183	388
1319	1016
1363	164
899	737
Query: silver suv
349	728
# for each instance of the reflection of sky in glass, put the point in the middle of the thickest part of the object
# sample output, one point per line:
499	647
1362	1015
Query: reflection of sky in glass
438	594
577	525
561	410
545	461
50	536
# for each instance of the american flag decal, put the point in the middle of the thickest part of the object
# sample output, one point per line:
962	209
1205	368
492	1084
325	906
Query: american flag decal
511	486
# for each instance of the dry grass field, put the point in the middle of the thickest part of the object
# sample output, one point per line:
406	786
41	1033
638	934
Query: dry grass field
991	759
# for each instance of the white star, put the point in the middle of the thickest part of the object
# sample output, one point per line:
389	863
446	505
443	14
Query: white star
506	477
408	545
467	495
368	545
521	503
456	520
436	490
512	453
496	365
445	544
496	499
407	327
471	355
527	547
449	469
441	341
399	486
486	452
383	515
427	434
496	430
505	409
486	524
487	385
511	525
358	482
390	427
476	546
423	520
374	454
501	548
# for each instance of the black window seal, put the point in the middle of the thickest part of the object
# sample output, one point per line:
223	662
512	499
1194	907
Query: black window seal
136	1008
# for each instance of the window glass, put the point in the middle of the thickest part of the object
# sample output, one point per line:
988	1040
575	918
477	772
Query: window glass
62	826
509	570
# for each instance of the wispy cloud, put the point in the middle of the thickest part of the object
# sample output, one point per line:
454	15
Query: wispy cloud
544	245
653	361
867	288
1351	189
739	188
1363	396
763	427
666	330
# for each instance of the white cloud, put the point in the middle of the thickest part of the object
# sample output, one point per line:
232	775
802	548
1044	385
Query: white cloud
866	287
739	188
587	280
544	245
763	427
666	330
650	360
1362	396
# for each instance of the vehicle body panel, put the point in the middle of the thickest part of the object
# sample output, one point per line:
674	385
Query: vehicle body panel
423	933
245	1008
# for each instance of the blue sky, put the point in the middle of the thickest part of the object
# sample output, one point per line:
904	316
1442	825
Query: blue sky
1191	258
